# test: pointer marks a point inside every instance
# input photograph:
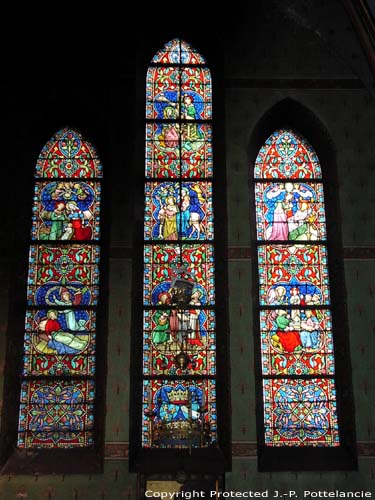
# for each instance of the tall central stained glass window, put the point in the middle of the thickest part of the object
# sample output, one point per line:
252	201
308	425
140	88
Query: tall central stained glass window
297	355
179	366
58	376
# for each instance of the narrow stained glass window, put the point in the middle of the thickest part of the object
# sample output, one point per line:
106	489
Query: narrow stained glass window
58	377
179	346
297	354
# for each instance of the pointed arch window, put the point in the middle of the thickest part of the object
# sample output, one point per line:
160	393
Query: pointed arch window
179	324
58	374
297	353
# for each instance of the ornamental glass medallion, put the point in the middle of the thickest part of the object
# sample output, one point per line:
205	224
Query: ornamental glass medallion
58	387
179	324
56	414
296	337
300	412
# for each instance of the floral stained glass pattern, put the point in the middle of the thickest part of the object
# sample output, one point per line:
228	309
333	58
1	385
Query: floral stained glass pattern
296	337
56	414
173	150
67	155
179	325
296	342
286	155
293	274
300	412
57	404
167	265
59	342
65	275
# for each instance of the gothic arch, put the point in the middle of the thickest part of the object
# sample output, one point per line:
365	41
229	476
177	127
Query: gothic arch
291	115
57	324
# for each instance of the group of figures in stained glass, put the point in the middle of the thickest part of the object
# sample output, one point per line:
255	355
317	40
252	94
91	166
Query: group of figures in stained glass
179	211
170	331
66	211
290	211
176	326
296	342
59	342
293	275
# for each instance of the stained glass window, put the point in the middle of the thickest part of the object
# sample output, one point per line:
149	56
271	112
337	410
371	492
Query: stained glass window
179	328
297	352
58	377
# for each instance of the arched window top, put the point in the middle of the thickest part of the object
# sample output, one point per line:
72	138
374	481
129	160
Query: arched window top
287	155
68	155
178	87
177	51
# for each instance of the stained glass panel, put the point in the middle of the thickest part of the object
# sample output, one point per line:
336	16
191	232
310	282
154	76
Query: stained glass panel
296	342
171	331
300	412
65	275
59	342
56	414
174	93
293	275
167	265
67	155
287	155
174	150
196	151
179	413
296	331
163	93
196	98
66	211
178	52
179	331
56	407
290	211
163	150
178	211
